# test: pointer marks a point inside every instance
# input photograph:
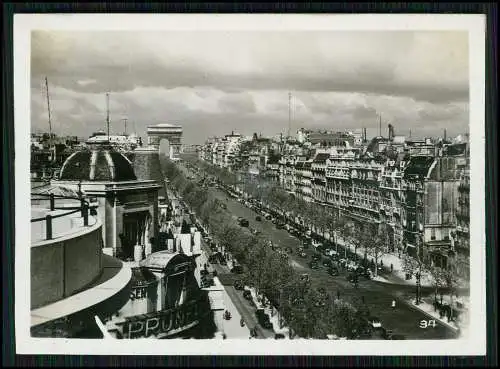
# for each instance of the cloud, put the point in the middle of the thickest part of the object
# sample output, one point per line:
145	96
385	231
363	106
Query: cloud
210	81
234	103
425	65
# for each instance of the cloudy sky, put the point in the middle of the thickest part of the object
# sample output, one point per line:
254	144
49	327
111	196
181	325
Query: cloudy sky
217	81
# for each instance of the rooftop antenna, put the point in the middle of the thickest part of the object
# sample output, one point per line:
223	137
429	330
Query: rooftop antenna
107	113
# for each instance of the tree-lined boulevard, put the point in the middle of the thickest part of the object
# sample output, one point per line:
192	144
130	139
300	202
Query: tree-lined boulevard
314	307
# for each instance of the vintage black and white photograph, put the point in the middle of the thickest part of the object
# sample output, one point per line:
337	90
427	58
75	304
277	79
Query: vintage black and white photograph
254	184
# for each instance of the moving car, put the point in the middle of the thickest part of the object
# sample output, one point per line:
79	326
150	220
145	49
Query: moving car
280	225
237	269
303	254
244	223
313	265
374	322
334	272
316	243
258	218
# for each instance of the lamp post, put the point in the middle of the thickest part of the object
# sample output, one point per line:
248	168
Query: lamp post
419	274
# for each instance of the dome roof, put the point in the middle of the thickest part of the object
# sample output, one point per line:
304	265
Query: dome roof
101	164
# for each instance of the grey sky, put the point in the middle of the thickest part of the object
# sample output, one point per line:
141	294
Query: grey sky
218	81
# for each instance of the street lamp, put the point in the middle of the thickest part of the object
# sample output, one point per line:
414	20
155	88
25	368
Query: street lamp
419	274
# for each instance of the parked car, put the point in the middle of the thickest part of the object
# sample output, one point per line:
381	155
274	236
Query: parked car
238	285
269	217
247	295
303	254
279	336
263	319
244	223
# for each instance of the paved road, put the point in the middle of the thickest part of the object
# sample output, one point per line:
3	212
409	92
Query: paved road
378	296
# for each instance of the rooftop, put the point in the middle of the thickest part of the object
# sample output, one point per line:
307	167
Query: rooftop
97	164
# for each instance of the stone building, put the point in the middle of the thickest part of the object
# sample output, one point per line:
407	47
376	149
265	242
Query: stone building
128	206
392	198
431	194
318	169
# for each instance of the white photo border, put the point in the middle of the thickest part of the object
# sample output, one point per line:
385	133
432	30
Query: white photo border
474	24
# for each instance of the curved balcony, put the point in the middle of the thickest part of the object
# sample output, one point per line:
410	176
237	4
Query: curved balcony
69	271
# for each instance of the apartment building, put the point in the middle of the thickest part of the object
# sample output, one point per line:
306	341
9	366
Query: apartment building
431	186
338	178
392	198
462	235
318	182
303	180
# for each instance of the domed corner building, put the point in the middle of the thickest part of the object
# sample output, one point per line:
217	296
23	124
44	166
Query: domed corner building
128	207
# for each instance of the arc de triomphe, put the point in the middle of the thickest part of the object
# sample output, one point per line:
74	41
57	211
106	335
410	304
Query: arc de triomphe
170	132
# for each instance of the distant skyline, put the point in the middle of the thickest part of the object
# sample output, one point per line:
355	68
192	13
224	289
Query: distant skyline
216	82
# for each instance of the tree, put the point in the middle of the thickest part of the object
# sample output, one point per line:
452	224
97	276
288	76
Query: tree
413	266
438	282
345	322
378	246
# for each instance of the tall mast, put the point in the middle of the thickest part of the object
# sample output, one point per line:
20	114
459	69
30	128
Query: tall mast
48	108
107	113
380	124
289	113
125	122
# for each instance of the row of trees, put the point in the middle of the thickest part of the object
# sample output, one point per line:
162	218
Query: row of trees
370	237
269	272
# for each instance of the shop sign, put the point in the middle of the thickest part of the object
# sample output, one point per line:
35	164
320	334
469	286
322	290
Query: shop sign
162	323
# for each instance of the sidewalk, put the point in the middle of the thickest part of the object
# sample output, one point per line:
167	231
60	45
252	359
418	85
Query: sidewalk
232	327
460	325
397	276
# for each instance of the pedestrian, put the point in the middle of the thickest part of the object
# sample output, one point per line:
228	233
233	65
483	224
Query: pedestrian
393	304
338	295
363	299
392	268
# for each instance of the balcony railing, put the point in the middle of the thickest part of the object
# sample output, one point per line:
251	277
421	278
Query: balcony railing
83	208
